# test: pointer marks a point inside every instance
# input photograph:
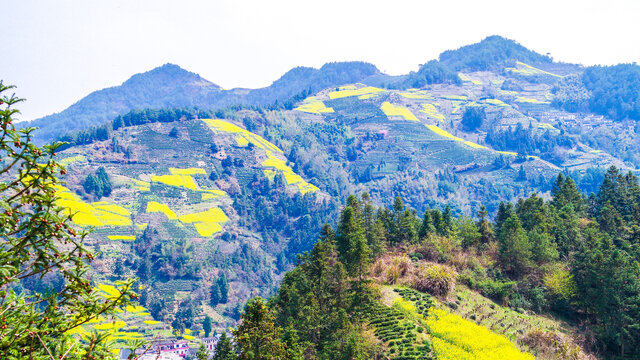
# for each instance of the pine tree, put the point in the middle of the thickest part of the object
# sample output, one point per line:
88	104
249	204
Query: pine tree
203	353
352	243
223	285
214	294
257	337
224	349
484	227
206	325
505	211
426	227
515	249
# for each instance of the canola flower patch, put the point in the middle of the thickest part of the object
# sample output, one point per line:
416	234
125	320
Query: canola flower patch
522	99
454	97
184	181
206	222
528	70
546	126
313	106
465	78
156	207
227	127
496	102
72	159
395	110
290	177
187	171
431	111
367	90
141	185
96	214
271	164
121	237
476	341
416	94
446	134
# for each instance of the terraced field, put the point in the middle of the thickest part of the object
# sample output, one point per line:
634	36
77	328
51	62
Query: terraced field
413	326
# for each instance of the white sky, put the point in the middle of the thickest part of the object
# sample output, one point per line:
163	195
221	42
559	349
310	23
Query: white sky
58	51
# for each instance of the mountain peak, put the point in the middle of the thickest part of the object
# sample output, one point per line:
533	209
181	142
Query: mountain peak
492	52
167	75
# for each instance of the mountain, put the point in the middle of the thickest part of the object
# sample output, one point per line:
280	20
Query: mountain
170	86
212	200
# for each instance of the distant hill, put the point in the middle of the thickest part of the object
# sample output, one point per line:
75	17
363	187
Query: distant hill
171	86
167	85
490	53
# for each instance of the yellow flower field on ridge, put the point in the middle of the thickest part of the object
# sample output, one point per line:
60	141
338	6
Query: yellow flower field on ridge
156	207
206	222
224	126
313	106
187	171
395	110
96	214
184	181
479	342
367	90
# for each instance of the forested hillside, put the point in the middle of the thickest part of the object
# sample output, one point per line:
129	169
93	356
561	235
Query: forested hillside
499	212
387	283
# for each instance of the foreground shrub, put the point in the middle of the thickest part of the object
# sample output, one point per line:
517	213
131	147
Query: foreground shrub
436	279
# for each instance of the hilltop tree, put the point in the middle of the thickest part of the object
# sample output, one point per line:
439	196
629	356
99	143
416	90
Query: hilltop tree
351	241
38	241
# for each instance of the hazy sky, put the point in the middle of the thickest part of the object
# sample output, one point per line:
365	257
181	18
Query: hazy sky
58	51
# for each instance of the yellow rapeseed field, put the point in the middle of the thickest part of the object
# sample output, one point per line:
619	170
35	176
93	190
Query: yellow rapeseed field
396	110
156	207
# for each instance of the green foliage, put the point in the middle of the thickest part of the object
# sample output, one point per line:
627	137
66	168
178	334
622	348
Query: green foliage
224	349
473	117
490	53
203	353
206	325
258	337
515	249
433	72
219	293
98	184
39	242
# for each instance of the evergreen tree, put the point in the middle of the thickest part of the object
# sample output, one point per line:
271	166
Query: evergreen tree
426	227
38	241
515	249
257	337
543	248
203	353
105	182
206	325
223	285
352	244
505	211
608	282
447	221
484	227
214	294
224	349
